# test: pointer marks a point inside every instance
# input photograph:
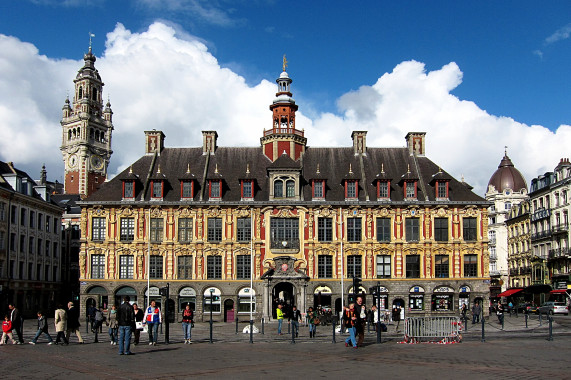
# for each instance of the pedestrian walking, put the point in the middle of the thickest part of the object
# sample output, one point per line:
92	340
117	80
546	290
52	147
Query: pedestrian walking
500	313
153	319
125	321
98	322
312	322
463	311
73	324
60	321
91	315
113	325
187	322
396	317
476	311
294	319
280	317
350	321
7	331
361	314
139	316
17	324
42	329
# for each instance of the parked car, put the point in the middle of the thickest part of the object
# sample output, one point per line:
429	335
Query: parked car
551	308
533	309
523	307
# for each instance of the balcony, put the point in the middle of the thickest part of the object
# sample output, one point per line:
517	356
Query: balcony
285	246
541	235
492	241
560	228
285	130
493	256
560	252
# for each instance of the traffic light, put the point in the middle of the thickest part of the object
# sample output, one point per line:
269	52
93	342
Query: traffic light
356	285
164	291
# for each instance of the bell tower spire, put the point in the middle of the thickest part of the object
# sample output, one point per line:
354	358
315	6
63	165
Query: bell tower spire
283	136
86	131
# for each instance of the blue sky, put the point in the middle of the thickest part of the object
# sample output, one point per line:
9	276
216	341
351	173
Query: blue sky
506	62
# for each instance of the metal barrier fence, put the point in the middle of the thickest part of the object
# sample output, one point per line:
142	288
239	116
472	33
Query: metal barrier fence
432	329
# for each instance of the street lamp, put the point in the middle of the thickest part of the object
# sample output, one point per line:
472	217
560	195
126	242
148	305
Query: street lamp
211	295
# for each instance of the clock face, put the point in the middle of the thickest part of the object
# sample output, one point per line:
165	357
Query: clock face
97	162
72	161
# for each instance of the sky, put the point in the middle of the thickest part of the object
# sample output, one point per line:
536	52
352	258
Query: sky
475	76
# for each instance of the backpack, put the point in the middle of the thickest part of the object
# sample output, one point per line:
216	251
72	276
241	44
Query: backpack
98	315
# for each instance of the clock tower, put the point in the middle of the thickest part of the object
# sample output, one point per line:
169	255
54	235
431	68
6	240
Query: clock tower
86	132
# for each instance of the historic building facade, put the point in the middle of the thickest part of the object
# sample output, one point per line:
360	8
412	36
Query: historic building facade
30	242
299	222
550	208
506	188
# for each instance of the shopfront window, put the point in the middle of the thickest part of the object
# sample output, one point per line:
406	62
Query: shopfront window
211	300
186	296
246	298
442	299
416	298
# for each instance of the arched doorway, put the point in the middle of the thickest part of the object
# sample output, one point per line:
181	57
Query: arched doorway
229	310
322	298
99	296
283	293
125	291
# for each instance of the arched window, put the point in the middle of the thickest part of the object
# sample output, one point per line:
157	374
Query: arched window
94	95
278	188
74	133
290	189
103	137
96	135
69	134
91	133
80	92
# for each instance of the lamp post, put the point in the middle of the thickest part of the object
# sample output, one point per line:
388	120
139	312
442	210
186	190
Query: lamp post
211	295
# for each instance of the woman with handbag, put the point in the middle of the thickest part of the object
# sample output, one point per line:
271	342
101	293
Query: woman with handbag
349	321
187	322
139	315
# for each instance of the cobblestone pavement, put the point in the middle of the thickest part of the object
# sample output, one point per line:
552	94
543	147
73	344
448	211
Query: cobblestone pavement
513	353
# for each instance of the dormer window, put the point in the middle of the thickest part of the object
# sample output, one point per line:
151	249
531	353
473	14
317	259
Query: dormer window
215	189
284	187
383	190
247	189
318	188
157	189
351	189
410	189
186	189
442	189
128	189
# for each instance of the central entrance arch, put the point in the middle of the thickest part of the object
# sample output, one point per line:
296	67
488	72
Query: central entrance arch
284	293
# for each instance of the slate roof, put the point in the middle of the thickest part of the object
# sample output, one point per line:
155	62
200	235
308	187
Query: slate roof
233	162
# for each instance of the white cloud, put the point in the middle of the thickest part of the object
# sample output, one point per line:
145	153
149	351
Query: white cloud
561	34
158	80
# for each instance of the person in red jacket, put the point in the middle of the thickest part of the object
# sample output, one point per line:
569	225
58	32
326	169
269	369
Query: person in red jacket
7	330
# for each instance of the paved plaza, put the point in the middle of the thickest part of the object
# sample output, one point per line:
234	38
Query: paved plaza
515	352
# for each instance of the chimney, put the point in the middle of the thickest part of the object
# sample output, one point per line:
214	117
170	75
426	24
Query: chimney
154	141
209	142
415	142
359	142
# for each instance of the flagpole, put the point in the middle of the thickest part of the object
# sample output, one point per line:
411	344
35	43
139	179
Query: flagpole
149	259
342	260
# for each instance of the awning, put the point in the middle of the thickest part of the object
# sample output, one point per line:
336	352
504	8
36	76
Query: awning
538	289
510	292
558	291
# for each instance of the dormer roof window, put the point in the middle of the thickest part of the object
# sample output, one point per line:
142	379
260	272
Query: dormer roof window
187	182
383	185
215	185
318	186
158	185
129	185
351	184
409	183
440	181
247	186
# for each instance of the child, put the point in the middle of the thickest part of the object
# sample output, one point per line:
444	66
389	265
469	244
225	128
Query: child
7	330
42	328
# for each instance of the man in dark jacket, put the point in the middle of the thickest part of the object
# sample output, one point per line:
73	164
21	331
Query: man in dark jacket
16	320
126	321
361	313
73	324
295	317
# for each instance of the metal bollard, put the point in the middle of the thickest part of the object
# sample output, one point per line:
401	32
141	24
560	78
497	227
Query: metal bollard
466	324
211	330
292	334
251	331
236	325
333	336
503	317
379	332
288	326
263	326
540	319
526	317
483	328
87	324
550	319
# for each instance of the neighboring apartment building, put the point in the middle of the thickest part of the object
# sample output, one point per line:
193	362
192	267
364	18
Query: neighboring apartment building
506	188
301	222
519	245
550	208
30	242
